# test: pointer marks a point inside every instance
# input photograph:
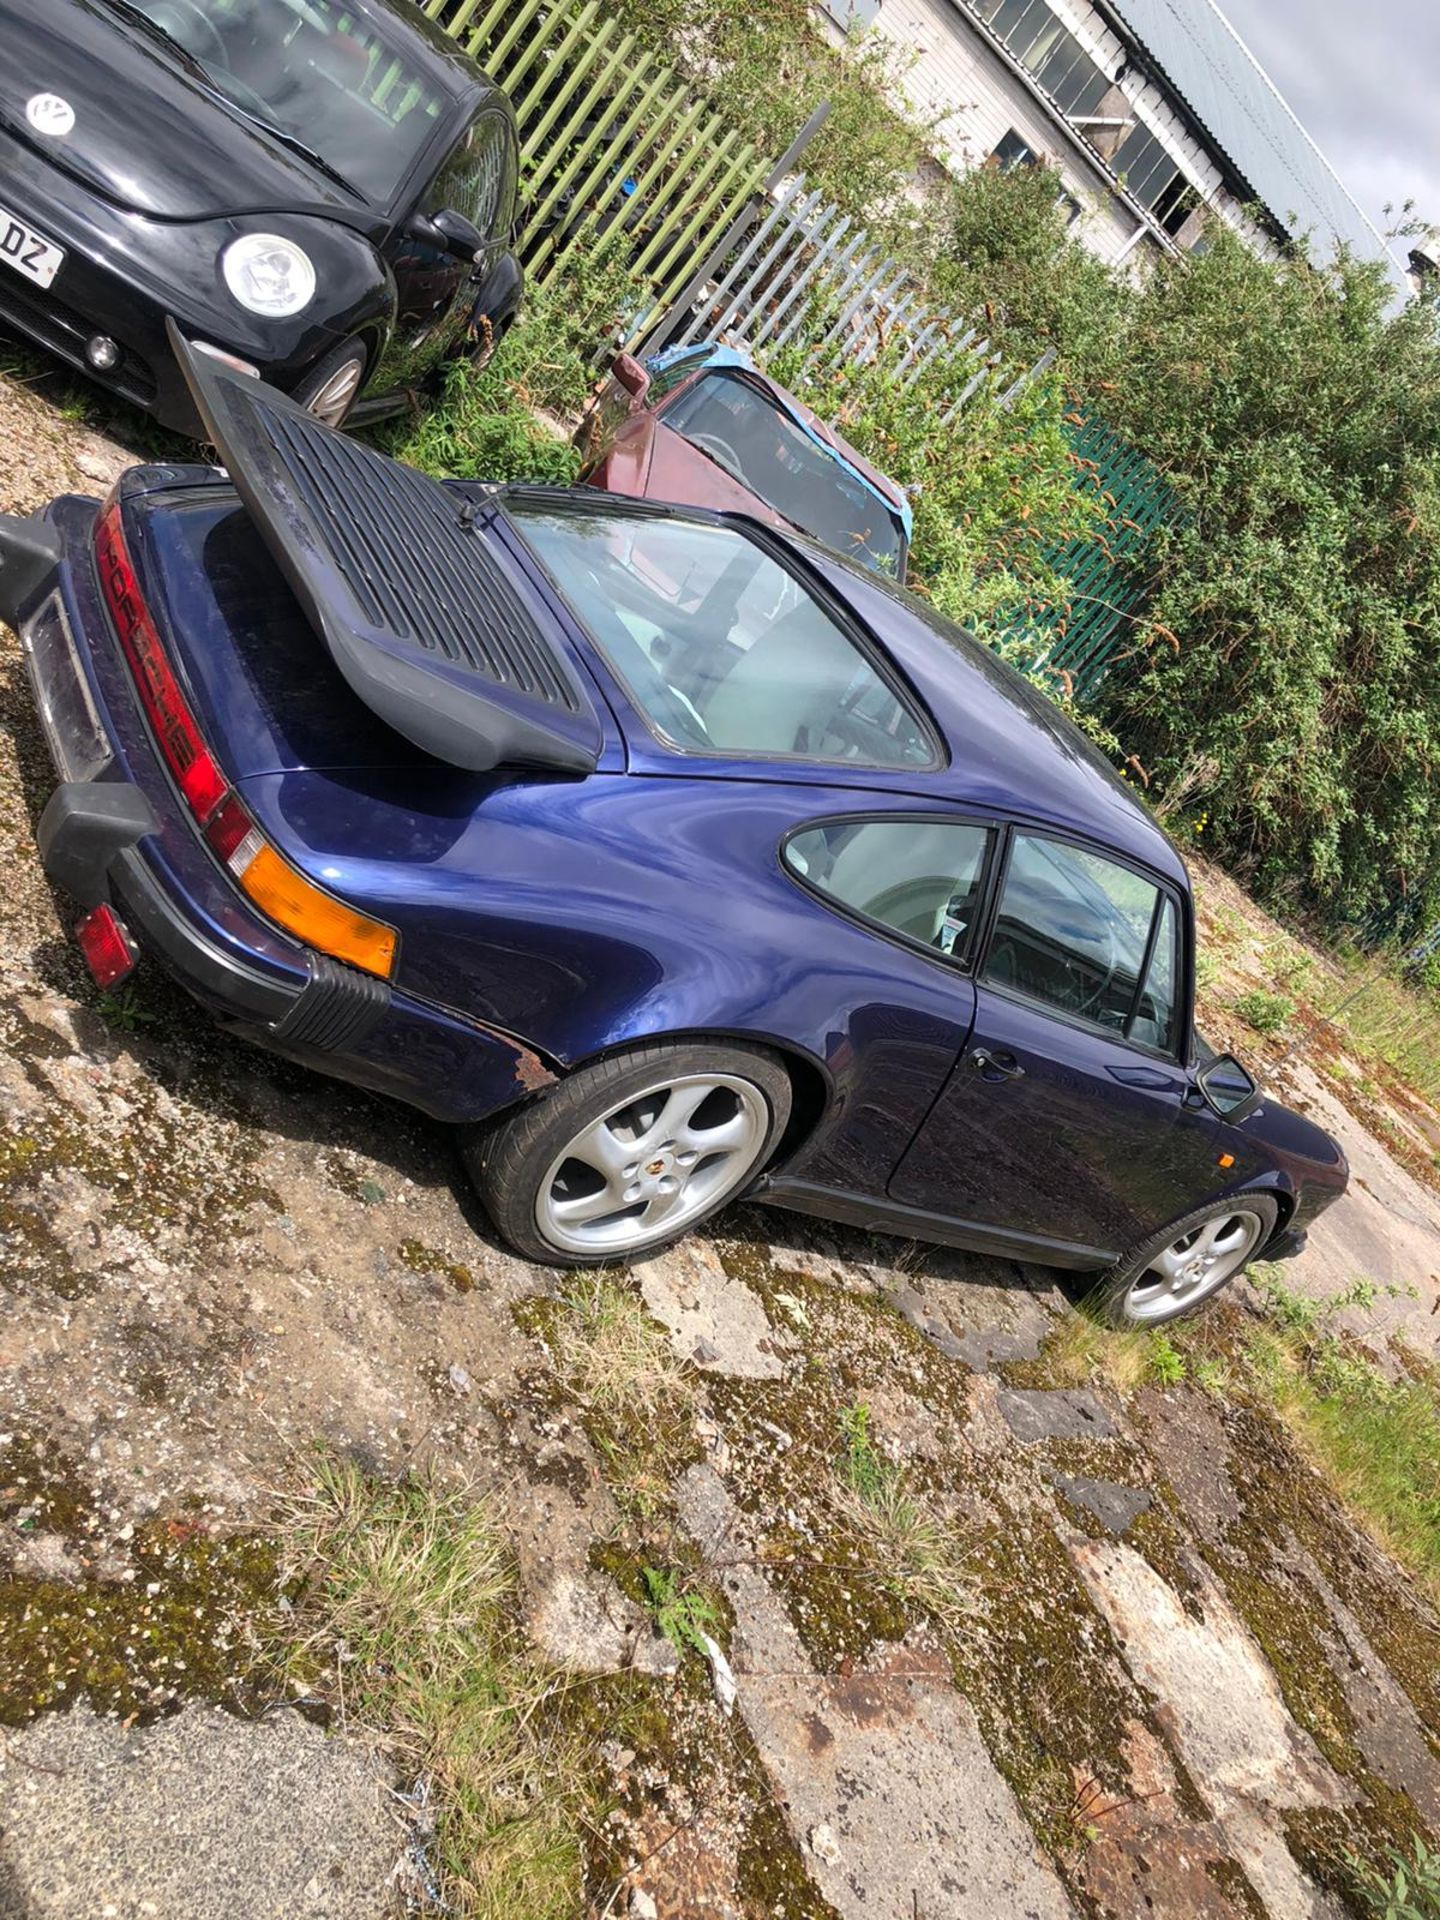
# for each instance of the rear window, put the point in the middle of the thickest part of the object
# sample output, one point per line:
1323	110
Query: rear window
721	649
738	427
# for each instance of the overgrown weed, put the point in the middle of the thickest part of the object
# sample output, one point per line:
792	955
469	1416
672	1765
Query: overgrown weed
408	1610
914	1550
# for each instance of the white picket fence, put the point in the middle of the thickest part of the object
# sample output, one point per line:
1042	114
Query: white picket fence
801	271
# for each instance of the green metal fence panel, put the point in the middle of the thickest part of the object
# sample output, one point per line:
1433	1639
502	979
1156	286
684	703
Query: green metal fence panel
615	147
1080	639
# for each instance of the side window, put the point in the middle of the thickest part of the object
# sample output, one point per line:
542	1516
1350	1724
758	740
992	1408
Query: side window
1073	932
920	877
478	179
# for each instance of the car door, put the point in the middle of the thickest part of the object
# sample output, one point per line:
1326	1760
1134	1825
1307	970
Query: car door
910	883
1070	1122
435	288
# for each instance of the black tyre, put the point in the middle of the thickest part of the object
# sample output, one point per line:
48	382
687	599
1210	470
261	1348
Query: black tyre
629	1154
1178	1269
332	386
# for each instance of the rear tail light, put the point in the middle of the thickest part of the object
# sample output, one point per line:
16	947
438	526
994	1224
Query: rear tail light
201	783
106	946
276	887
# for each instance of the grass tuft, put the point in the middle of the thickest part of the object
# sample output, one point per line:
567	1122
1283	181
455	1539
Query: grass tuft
640	1399
913	1549
408	1610
1082	1348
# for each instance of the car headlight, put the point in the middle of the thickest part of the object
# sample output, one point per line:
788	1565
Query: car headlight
269	275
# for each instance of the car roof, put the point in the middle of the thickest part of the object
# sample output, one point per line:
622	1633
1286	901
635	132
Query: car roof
721	357
1010	746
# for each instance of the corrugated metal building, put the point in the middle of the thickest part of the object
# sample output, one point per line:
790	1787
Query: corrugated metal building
1150	109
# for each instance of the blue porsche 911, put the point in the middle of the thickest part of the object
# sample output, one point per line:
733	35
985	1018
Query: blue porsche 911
666	854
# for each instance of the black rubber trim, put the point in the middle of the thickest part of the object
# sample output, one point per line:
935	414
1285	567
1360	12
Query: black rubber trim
888	1216
84	825
337	1009
1285	1245
30	552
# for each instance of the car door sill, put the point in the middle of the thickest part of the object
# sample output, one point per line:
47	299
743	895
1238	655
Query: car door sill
915	1223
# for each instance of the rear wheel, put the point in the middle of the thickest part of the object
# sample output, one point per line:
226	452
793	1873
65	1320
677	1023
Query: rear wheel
631	1153
333	384
1184	1265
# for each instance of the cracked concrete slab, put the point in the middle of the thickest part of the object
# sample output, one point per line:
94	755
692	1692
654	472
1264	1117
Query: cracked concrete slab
200	1815
1054	1414
883	1774
1223	1705
714	1320
1116	1507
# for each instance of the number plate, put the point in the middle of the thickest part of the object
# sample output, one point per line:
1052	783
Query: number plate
29	252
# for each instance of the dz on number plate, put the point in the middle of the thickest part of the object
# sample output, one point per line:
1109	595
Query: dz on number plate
29	252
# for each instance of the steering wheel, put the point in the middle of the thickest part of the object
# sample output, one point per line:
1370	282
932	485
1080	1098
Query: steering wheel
185	14
720	451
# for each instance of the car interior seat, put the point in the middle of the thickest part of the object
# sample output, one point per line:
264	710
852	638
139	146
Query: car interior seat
783	692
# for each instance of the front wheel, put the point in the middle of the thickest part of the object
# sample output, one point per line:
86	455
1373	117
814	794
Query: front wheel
332	386
1186	1264
632	1152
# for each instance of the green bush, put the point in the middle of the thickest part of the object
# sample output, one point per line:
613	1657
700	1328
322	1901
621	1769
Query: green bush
484	425
1265	1012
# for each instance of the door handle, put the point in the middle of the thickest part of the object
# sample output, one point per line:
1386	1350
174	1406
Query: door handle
996	1066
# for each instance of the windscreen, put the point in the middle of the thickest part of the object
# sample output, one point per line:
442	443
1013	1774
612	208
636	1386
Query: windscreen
720	647
318	71
736	426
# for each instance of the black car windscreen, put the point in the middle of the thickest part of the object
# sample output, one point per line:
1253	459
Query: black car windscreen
319	73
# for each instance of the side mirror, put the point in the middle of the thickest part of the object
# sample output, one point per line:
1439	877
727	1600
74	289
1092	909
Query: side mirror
1228	1086
457	234
632	377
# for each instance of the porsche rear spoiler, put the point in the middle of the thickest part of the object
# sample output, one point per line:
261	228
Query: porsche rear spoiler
396	576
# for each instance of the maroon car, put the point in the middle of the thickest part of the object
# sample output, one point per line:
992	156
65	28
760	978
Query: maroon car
702	426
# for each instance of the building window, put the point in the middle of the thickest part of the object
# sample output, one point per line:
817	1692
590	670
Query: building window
1013	152
1049	52
1144	165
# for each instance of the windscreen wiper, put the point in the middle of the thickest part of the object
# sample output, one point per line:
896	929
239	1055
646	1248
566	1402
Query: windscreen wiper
198	70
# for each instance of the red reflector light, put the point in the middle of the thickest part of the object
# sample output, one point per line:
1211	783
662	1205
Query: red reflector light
106	947
188	758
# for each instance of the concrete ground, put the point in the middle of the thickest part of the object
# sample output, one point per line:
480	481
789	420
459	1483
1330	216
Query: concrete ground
1165	1674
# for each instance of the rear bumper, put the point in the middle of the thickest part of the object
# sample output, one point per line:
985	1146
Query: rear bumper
113	832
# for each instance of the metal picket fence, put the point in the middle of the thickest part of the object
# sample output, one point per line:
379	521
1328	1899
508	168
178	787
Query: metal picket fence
613	142
805	272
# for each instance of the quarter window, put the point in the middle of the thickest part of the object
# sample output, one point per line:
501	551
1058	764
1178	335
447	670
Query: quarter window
920	877
1074	932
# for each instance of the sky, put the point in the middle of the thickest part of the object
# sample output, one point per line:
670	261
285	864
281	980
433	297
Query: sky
1364	82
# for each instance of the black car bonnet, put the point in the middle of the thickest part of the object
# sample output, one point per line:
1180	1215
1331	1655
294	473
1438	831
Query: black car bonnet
396	576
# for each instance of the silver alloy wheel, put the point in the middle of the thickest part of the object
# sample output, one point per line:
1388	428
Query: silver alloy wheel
335	396
1194	1266
652	1165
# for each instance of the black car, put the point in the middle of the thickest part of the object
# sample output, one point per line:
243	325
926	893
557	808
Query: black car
320	193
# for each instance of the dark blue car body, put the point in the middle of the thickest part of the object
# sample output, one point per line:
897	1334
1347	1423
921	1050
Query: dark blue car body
547	919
